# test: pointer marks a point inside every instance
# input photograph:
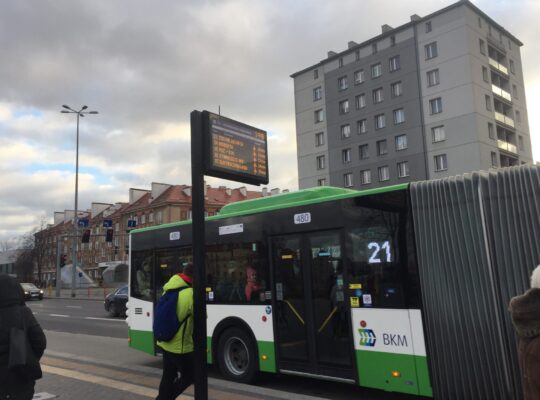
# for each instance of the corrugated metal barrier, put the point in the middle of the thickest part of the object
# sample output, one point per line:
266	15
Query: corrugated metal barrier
478	240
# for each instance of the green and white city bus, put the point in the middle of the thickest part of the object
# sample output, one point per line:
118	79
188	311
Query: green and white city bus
397	288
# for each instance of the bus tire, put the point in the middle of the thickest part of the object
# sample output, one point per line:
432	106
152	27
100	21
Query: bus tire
237	355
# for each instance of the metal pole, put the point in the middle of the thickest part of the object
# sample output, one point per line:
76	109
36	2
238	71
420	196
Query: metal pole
199	299
75	241
58	270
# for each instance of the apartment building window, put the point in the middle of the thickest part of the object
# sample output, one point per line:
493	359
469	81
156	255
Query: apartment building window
320	162
340	62
361	126
482	46
143	219
384	173
396	89
378	95
319	139
374	48
488	102
380	121
357	55
392	41
509	44
493	159
315	74
431	50
438	134
363	151
479	22
485	76
382	147
348	180
359	77
518	116
344	106
491	131
512	67
521	143
435	106
433	77
428	26
319	116
365	177
346	156
345	131
360	101
317	93
394	63
515	91
440	162
151	217
402	169
376	70
401	142
399	116
342	83
321	182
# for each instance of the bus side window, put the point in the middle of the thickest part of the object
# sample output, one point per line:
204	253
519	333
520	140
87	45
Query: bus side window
141	281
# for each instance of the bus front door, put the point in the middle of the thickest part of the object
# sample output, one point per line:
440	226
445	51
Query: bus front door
310	315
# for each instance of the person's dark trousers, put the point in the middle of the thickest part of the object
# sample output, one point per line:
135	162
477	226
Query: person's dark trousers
171	386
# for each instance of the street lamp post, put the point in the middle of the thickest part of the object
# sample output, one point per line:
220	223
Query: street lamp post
80	113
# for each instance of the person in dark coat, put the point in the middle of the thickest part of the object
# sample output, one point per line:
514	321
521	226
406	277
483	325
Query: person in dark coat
13	313
525	311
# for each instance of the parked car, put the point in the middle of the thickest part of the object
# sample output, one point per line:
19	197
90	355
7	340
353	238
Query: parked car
31	291
115	302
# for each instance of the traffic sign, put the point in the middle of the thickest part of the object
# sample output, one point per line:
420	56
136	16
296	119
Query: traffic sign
107	223
83	222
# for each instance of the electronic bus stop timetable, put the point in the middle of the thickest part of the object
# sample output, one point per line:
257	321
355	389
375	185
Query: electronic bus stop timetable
228	149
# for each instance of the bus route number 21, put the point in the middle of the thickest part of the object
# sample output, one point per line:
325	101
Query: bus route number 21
303	218
376	249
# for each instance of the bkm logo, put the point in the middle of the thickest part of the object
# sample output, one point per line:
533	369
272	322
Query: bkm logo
367	336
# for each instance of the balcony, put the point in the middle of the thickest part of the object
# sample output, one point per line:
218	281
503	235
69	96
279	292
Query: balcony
504	119
501	92
498	66
506	146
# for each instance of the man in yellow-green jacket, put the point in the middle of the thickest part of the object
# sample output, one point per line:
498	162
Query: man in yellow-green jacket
178	352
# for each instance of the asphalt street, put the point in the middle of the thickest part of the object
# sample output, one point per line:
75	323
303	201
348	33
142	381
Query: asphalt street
77	316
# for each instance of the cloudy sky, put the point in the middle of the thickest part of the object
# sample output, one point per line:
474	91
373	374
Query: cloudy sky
145	65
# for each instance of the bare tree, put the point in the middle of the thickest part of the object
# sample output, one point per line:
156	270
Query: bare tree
5	245
24	266
34	245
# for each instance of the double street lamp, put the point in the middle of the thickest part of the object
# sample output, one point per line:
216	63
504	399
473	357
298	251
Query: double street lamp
80	113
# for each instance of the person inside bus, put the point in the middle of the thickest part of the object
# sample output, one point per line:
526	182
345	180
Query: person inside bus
525	312
178	352
252	287
144	275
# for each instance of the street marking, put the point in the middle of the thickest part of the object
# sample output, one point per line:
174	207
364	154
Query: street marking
73	307
59	315
44	396
106	319
102	381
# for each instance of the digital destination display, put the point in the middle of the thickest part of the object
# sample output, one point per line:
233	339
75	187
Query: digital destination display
235	150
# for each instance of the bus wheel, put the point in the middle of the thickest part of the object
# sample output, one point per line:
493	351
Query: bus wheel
237	356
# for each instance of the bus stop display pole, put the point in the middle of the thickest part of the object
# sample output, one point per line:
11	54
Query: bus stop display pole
199	274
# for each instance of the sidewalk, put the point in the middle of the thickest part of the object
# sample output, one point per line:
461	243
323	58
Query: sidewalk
70	379
91	293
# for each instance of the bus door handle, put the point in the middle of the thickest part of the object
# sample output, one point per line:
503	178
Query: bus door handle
327	320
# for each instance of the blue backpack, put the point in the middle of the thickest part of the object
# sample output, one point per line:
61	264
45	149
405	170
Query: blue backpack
166	322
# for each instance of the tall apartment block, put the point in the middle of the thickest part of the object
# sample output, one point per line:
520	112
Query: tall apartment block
438	96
